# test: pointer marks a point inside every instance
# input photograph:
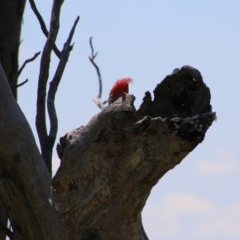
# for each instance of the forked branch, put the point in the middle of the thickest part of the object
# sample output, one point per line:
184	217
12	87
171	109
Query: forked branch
21	69
47	139
94	54
42	83
43	25
26	62
54	85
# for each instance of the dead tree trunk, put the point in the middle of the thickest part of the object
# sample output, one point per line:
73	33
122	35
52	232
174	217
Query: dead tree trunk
109	166
11	13
25	183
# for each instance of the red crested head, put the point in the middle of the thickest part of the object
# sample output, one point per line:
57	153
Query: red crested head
120	86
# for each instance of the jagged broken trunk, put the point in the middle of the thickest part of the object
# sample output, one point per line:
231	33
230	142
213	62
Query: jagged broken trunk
109	166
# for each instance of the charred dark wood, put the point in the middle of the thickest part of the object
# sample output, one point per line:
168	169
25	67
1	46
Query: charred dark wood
181	94
11	14
109	166
25	183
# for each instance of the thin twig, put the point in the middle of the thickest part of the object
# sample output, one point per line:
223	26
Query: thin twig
43	25
92	58
22	83
93	55
54	85
26	62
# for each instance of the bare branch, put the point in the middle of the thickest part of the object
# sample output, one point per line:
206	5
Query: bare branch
21	69
94	55
54	85
43	25
92	60
25	63
22	83
42	82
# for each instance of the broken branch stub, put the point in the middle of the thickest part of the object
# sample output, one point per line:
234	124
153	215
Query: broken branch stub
109	166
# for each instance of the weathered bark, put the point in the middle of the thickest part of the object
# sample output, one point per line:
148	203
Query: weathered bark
181	94
11	13
3	221
109	166
25	182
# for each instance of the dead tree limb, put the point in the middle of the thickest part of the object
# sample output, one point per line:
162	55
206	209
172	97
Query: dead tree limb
22	83
26	62
54	86
92	60
109	166
181	94
42	82
47	139
21	69
25	183
97	100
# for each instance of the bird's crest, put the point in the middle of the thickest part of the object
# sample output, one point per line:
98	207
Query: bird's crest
120	86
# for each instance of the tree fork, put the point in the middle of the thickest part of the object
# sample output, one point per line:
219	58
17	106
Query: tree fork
109	166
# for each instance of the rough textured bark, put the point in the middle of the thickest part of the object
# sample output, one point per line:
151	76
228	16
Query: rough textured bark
25	183
11	13
109	166
3	221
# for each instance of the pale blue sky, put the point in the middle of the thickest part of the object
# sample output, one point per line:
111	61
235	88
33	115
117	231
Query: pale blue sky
146	40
